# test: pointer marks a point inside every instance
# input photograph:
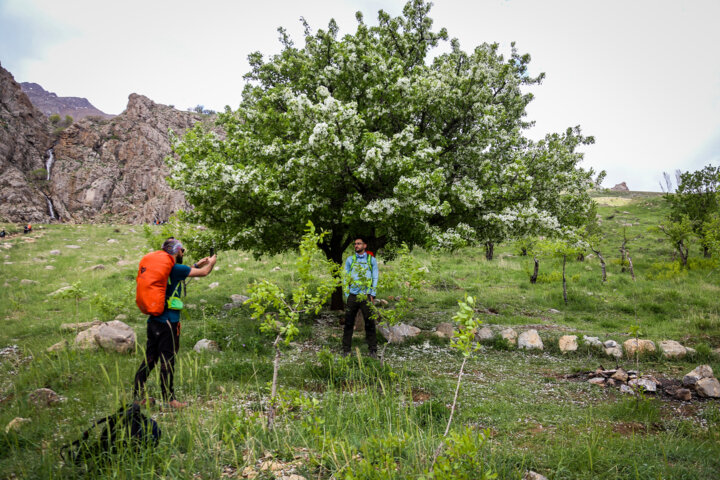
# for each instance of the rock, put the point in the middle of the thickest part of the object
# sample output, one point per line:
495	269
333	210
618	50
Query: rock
690	351
381	301
510	335
639	346
568	343
121	317
682	394
530	340
292	477
530	475
648	384
26	281
15	424
614	352
484	334
213	285
620	187
240	299
44	397
99	266
75	247
592	341
49	267
610	344
552	310
192	306
398	333
55	252
708	387
60	290
597	381
672	349
116	336
276	269
620	375
112	240
79	326
58	347
702	371
205	344
239	269
445	330
625	389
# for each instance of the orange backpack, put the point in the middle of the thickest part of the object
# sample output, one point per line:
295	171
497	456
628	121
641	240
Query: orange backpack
152	280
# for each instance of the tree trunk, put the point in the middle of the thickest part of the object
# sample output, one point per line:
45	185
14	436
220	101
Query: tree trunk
581	257
337	300
602	266
523	252
489	250
564	282
706	251
533	279
683	251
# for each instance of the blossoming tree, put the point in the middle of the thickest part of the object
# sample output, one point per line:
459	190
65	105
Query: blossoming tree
365	134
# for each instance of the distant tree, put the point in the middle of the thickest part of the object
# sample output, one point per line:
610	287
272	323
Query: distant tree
696	198
365	134
54	119
679	234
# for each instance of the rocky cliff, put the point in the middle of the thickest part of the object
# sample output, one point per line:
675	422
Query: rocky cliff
114	169
24	141
49	103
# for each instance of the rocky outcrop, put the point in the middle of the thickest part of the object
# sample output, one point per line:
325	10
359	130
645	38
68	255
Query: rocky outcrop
24	141
620	187
49	103
116	169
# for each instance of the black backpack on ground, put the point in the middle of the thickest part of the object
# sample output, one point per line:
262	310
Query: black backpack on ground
127	428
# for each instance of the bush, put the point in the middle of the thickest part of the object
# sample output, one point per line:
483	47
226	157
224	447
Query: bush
462	458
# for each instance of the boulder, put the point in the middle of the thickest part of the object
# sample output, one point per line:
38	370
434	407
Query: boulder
99	266
552	310
639	346
445	330
121	317
205	344
398	333
702	371
614	352
58	347
568	343
79	326
648	384
597	381
112	240
116	336
610	344
530	340
510	335
483	334
592	341
708	387
625	389
44	397
240	299
620	187
620	375
672	349
26	281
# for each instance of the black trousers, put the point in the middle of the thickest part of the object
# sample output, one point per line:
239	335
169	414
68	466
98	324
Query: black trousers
353	305
163	342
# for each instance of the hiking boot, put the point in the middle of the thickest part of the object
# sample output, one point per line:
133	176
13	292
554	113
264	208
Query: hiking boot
175	405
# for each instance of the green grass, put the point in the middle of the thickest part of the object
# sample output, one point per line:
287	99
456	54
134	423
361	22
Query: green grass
336	415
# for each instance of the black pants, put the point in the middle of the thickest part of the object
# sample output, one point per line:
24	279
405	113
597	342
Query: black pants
353	305
163	342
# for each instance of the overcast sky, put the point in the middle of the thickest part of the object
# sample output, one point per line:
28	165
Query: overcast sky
643	77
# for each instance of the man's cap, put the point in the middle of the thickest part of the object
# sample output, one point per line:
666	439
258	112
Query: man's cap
172	246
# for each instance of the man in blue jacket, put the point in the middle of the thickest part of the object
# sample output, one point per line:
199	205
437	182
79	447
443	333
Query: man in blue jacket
362	269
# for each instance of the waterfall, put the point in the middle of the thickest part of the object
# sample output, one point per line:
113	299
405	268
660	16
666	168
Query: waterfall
50	207
49	162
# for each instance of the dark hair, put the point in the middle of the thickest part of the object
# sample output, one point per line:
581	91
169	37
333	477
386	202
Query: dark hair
362	238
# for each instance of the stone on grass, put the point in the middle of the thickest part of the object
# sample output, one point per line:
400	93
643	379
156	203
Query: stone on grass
124	263
638	346
44	397
49	267
276	269
60	290
510	335
597	381
613	352
99	266
483	334
648	384
445	330
75	247
610	344
15	424
568	343
26	281
398	333
79	326
620	375
530	475
112	240
58	347
112	336
708	387
239	299
55	252
702	371
552	310
690	351
121	316
672	349
530	340
625	389
682	394
592	341
214	285
205	344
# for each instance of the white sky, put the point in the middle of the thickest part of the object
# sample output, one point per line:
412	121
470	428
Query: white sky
642	76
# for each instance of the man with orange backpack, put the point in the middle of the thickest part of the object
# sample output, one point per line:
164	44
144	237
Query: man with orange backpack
160	282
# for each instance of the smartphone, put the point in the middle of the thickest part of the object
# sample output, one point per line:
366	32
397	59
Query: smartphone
212	251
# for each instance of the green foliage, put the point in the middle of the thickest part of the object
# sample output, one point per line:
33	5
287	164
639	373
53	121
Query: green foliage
108	307
350	371
378	459
463	340
366	133
462	460
666	271
196	242
679	232
696	199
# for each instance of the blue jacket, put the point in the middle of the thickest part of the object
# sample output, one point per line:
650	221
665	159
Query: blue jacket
358	268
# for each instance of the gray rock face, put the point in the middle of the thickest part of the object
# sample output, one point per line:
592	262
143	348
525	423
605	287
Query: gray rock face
702	371
708	387
672	349
398	333
445	330
568	343
530	340
205	344
49	103
24	139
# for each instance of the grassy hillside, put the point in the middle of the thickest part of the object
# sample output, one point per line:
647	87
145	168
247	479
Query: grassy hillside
353	418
